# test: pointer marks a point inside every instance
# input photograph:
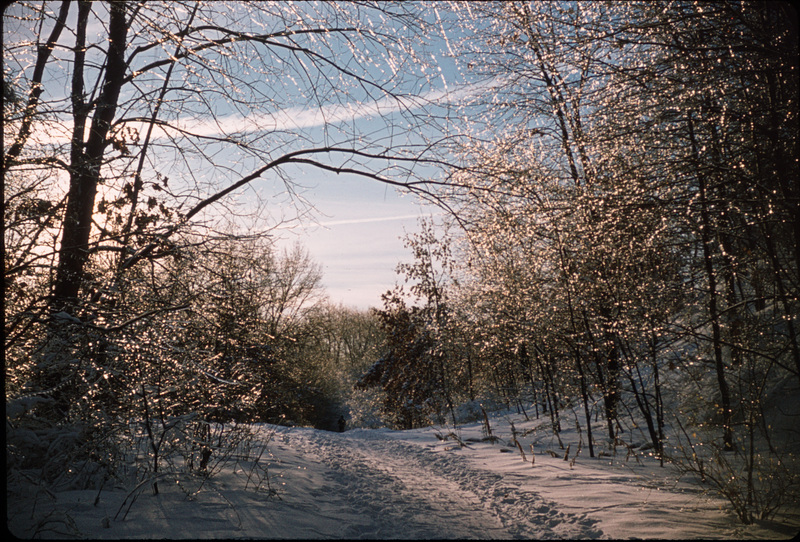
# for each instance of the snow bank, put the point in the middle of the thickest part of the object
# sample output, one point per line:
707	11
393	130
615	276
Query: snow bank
438	482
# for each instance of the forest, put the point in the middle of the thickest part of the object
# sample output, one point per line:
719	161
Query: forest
619	237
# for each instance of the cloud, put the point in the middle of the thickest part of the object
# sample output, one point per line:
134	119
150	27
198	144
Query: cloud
307	117
352	221
293	118
367	220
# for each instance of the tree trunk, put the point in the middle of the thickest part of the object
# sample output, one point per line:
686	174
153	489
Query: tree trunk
713	311
86	159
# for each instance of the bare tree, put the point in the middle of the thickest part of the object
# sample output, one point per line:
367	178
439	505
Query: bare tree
137	121
139	135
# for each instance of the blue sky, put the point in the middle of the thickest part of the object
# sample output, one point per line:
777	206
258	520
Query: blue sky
357	238
358	225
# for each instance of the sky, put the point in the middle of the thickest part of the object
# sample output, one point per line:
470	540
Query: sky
357	230
359	225
357	236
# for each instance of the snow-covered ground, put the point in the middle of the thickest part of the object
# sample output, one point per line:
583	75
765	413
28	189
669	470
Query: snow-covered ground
418	484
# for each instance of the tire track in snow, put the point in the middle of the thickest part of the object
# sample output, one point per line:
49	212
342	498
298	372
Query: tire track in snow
413	492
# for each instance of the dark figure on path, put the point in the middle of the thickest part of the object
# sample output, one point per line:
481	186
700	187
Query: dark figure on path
342	423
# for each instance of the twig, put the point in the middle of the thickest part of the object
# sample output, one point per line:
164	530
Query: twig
522	453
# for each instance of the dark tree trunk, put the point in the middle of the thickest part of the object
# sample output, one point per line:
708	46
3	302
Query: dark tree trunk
86	159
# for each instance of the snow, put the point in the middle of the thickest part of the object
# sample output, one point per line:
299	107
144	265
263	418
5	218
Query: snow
438	482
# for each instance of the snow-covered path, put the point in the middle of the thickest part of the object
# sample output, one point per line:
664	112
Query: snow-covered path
380	487
302	483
